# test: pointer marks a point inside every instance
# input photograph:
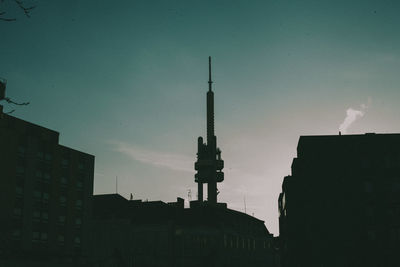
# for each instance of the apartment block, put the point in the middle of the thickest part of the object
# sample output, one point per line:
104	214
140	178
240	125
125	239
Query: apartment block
45	194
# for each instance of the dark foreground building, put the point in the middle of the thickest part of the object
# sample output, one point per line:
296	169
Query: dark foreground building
136	233
45	191
341	205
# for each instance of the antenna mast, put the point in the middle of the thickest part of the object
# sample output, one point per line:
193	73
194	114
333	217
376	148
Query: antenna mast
116	184
209	74
245	208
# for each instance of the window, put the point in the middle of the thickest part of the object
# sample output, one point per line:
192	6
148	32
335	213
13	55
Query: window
78	204
21	151
368	187
63	181
78	222
396	187
77	241
20	180
39	175
46	177
80	166
390	211
388	162
16	234
369	211
17	212
45	198
37	195
45	217
365	163
39	155
395	234
61	239
371	235
63	201
48	157
35	236
43	237
65	163
20	170
61	219
79	185
18	191
36	216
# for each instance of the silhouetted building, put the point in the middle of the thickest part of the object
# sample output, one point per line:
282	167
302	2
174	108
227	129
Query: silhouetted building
45	191
154	233
341	205
131	233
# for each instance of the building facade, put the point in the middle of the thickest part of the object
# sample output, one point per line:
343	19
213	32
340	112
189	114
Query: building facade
154	233
45	191
341	205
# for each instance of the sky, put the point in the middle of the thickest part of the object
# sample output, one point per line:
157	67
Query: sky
126	81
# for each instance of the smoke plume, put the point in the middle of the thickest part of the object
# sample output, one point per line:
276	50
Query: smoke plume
351	116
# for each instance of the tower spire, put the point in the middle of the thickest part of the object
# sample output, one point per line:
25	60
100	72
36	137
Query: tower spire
210	108
209	75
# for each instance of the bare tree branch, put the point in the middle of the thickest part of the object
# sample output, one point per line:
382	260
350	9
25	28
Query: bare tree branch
3	83
15	103
26	9
6	19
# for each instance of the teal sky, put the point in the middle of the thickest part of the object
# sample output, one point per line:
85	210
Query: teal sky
126	81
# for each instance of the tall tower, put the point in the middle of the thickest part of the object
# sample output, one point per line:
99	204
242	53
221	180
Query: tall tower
209	164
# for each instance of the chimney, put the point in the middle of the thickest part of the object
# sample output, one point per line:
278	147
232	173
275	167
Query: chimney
180	203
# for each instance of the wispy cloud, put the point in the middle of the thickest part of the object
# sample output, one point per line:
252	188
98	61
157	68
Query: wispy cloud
170	161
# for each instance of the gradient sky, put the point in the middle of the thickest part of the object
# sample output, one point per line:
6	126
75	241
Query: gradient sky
126	81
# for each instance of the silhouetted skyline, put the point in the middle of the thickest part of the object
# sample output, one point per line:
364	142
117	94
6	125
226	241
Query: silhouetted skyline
126	82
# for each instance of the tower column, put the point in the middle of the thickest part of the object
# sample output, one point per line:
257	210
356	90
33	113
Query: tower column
200	192
212	192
